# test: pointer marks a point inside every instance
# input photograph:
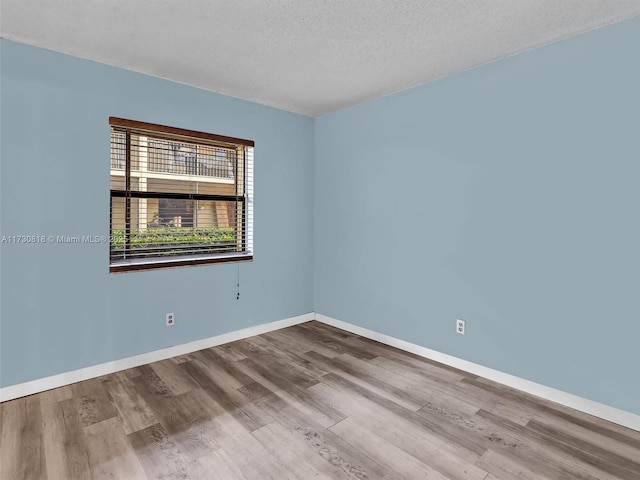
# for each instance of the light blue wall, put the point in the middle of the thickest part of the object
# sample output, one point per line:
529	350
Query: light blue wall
506	195
509	196
60	308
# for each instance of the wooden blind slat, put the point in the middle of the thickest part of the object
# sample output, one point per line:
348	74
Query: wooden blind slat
177	132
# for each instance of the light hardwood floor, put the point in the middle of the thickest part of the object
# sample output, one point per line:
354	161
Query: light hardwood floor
306	402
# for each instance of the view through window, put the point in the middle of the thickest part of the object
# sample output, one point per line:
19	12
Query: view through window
178	197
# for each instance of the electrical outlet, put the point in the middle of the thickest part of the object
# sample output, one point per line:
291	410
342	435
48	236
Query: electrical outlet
460	326
170	319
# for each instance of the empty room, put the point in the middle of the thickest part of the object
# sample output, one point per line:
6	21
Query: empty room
319	240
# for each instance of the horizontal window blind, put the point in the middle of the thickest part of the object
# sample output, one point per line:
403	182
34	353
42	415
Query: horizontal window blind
178	197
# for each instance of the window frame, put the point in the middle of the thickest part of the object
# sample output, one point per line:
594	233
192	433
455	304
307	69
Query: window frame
174	134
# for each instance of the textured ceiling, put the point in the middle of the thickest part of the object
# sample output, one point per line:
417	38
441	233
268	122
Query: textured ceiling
306	56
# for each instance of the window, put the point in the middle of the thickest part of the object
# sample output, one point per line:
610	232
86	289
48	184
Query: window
178	197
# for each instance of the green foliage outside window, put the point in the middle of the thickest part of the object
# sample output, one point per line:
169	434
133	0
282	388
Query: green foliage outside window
146	240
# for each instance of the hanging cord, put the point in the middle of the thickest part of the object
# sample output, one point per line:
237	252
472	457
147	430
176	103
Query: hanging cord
238	280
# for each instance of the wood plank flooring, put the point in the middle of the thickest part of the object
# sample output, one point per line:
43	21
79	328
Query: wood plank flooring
306	402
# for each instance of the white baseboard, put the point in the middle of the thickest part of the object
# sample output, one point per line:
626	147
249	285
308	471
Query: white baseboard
612	414
67	378
600	410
